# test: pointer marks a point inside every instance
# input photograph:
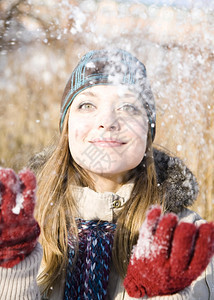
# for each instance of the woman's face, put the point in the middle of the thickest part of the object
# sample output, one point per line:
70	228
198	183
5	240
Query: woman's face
108	129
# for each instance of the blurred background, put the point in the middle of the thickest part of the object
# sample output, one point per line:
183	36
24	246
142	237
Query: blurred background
41	42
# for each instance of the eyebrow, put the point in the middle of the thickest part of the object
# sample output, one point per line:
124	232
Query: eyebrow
88	94
127	95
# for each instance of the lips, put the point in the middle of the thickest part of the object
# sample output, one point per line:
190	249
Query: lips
107	143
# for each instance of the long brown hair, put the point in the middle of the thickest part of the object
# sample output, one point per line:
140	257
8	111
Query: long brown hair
56	208
144	194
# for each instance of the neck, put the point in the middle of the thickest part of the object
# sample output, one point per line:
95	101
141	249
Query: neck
107	182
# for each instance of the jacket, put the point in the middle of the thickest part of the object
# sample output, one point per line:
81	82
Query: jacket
180	190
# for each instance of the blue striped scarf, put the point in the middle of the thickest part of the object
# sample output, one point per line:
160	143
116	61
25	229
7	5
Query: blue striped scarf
88	279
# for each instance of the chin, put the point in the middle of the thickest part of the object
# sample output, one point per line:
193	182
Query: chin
109	172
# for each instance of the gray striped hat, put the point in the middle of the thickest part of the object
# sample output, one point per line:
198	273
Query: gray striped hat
110	67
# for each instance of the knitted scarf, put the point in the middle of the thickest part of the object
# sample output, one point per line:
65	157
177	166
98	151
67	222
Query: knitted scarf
88	279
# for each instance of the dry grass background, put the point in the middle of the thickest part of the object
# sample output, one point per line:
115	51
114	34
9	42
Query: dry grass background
180	70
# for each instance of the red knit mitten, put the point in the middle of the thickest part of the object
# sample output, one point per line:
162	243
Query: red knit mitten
168	256
19	230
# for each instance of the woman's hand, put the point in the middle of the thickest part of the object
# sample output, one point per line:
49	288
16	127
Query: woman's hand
168	256
19	230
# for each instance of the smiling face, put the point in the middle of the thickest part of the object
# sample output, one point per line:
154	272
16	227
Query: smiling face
108	129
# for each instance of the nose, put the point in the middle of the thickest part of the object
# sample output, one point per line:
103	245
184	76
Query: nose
108	121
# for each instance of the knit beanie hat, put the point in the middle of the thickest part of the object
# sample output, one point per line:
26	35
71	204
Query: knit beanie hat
110	67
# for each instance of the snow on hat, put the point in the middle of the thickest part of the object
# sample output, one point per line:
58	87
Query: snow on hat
110	67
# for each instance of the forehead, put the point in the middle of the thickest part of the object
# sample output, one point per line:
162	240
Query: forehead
103	91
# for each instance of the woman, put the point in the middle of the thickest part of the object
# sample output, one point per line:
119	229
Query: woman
94	191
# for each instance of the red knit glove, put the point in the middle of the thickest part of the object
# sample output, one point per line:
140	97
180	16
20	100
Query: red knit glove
18	228
168	256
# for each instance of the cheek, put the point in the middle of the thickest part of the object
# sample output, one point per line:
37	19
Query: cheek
139	130
139	134
77	129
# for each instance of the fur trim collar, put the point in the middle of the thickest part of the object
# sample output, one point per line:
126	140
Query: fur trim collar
176	182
